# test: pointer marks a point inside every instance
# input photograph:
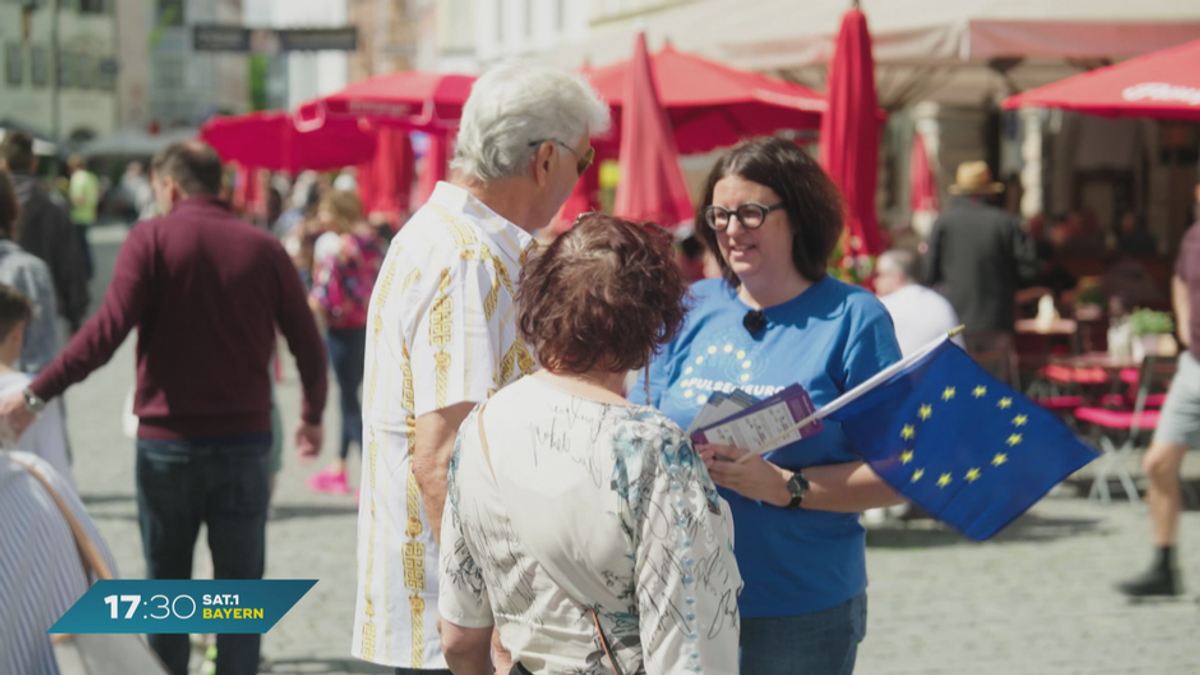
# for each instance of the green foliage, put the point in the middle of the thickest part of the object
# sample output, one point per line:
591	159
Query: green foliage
1150	322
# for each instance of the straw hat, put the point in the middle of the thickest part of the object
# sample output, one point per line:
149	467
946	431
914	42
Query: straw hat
974	178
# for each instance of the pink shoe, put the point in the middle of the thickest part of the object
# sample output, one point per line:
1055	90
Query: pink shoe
329	482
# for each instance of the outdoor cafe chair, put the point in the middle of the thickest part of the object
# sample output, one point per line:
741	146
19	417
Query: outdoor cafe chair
1127	426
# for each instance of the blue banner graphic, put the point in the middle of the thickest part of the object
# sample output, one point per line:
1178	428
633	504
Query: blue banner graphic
183	606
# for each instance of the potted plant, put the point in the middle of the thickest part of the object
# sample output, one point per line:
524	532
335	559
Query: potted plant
1089	305
1152	332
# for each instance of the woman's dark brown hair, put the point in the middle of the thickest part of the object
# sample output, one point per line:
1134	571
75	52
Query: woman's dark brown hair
812	202
606	294
10	208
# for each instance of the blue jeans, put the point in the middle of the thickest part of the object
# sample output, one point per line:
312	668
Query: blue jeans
222	482
818	643
347	353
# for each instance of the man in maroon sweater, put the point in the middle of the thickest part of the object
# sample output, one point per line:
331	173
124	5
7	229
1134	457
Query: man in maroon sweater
205	291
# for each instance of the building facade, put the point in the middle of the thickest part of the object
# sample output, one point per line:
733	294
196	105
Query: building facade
387	37
60	67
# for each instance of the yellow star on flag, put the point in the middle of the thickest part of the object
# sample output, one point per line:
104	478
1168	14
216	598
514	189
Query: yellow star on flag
1020	420
908	432
999	459
1005	403
944	480
980	391
926	412
972	475
1013	440
917	475
906	456
948	394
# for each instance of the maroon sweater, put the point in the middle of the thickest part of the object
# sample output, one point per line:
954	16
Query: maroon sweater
206	291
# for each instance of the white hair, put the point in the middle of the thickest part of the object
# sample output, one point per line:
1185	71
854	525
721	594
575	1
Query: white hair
899	261
516	105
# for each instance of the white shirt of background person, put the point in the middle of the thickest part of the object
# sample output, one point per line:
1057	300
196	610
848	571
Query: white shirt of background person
919	314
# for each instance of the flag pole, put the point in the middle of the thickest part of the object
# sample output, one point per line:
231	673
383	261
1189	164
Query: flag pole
850	395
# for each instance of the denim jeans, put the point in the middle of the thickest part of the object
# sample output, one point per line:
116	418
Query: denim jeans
818	643
224	483
347	353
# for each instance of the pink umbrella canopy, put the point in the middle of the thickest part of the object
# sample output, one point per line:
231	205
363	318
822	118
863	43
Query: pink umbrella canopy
415	100
385	183
920	175
1162	85
435	166
850	135
652	187
711	105
270	140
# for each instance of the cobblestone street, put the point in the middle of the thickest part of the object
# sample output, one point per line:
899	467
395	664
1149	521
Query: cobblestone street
1037	599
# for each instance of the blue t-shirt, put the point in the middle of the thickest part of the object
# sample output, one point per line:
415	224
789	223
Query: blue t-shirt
828	339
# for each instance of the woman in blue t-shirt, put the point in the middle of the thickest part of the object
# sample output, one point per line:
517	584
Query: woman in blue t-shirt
773	218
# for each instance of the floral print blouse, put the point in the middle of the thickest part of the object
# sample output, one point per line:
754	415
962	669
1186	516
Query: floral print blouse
588	506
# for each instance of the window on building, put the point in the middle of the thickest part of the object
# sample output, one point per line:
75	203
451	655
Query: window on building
39	65
170	12
93	6
66	73
14	64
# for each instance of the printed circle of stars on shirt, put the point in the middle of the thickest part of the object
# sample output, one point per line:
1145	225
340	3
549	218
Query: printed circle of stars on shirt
711	352
925	412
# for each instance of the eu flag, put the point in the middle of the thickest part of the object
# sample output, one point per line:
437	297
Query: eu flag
958	442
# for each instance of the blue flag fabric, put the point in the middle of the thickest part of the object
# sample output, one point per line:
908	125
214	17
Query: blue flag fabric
959	443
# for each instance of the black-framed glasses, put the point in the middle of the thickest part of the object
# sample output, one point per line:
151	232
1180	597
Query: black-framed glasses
585	158
750	214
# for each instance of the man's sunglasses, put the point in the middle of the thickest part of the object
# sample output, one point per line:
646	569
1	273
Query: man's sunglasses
585	158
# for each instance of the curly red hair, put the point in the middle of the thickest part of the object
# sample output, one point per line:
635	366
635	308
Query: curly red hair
606	294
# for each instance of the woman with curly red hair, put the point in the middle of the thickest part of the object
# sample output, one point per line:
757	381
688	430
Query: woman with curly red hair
585	527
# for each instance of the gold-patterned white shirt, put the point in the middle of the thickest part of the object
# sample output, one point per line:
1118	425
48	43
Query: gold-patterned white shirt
441	330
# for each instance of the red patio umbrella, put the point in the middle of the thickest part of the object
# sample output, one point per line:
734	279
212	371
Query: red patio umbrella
435	166
270	140
850	133
920	175
411	99
1162	85
385	183
651	186
711	105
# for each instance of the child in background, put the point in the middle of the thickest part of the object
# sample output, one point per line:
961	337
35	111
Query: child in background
46	438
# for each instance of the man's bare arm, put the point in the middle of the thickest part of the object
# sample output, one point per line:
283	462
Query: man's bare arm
1183	309
431	458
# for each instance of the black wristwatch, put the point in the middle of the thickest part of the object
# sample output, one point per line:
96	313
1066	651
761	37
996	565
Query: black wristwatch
797	485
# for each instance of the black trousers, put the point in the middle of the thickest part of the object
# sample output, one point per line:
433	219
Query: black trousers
224	483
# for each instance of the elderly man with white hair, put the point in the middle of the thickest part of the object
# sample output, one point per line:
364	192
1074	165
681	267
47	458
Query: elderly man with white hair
442	336
919	314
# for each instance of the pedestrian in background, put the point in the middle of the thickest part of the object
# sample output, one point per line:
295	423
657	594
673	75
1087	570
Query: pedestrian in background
919	314
443	336
1178	429
84	193
346	261
46	231
979	257
31	277
203	395
46	437
776	318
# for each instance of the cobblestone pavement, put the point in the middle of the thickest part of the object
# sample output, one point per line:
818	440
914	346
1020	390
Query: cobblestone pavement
1035	600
